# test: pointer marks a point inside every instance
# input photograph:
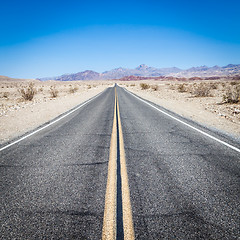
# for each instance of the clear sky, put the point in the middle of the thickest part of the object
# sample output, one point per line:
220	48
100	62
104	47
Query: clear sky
52	37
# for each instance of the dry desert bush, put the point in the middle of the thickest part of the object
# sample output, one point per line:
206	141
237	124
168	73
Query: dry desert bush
196	89
171	86
234	83
144	86
155	87
214	85
182	88
6	95
232	94
53	92
73	89
40	89
202	90
208	89
28	92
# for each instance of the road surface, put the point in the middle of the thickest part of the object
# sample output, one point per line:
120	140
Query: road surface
120	168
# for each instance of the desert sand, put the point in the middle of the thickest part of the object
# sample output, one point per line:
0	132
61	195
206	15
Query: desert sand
182	98
18	116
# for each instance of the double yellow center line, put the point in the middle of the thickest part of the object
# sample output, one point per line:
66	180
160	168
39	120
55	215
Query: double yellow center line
117	221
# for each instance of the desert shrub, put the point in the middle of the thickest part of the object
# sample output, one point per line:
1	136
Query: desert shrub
182	88
155	87
28	92
232	94
5	94
172	86
144	86
53	92
233	83
237	77
132	85
202	90
73	89
89	86
214	85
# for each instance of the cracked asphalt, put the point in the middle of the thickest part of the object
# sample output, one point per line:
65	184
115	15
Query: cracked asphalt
183	185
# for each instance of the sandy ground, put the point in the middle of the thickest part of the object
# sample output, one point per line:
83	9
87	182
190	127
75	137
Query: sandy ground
180	97
18	116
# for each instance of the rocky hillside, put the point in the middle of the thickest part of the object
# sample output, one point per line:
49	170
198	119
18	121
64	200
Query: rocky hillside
145	71
141	71
204	71
86	75
8	79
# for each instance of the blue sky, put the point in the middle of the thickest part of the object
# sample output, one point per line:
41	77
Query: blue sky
50	38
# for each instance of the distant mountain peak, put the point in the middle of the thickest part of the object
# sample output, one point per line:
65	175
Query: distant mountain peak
232	66
144	71
119	69
86	72
142	67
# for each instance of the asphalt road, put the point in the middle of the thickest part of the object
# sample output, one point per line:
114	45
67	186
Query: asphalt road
183	184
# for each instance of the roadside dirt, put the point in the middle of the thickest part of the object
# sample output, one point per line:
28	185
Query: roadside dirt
182	98
18	116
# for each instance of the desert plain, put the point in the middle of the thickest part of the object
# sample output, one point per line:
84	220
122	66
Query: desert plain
207	102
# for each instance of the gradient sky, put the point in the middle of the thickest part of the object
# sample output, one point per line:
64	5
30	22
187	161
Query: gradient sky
50	38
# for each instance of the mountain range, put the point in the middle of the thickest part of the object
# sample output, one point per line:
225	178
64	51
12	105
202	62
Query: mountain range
145	71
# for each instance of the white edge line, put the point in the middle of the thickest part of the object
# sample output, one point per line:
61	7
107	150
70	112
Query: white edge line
49	124
186	124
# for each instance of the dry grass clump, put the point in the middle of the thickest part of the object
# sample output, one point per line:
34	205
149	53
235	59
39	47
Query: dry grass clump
28	93
144	86
73	89
234	83
214	85
202	90
6	95
53	92
182	88
155	87
232	94
171	86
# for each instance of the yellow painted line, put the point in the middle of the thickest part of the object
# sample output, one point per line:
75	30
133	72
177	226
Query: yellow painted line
109	219
126	202
109	231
